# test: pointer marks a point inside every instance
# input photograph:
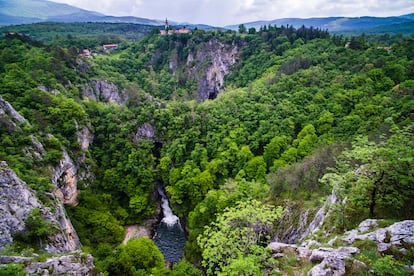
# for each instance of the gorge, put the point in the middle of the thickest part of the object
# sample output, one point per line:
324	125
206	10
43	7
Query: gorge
221	127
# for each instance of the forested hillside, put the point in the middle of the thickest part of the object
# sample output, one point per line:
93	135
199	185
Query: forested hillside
247	132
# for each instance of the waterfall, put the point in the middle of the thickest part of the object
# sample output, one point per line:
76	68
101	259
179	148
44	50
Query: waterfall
169	235
169	218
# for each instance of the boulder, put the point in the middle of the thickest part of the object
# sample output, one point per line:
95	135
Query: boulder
330	266
64	265
278	247
398	234
367	225
341	253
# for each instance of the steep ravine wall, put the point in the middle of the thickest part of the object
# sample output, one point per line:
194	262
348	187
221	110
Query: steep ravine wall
207	65
104	91
213	64
17	200
298	222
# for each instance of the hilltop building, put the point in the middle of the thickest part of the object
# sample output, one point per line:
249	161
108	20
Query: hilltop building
169	30
110	46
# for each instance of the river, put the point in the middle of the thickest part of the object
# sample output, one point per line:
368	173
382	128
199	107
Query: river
169	235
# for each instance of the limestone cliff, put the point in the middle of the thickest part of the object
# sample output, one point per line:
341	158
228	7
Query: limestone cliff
9	117
65	180
213	63
104	91
17	200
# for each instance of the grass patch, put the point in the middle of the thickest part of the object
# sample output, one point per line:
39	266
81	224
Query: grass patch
382	223
365	245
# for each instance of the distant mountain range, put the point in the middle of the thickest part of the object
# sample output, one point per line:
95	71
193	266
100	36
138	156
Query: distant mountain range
14	12
33	11
366	24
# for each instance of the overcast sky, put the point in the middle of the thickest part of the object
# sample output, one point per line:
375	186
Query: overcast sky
226	12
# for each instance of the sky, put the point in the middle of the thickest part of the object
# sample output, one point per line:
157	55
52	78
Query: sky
227	12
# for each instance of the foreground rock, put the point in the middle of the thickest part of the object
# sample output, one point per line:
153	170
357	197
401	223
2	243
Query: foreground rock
78	265
399	235
17	201
332	261
340	261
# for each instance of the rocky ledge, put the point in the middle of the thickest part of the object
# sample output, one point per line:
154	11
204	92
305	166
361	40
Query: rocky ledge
398	237
77	264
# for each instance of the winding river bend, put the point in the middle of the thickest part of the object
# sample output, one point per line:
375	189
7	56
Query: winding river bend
169	235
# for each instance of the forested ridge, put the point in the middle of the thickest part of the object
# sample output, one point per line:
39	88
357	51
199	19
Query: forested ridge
301	113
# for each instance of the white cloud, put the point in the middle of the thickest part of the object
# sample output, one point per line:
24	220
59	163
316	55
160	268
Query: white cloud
224	12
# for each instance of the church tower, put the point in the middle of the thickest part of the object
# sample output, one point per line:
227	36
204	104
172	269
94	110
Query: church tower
166	25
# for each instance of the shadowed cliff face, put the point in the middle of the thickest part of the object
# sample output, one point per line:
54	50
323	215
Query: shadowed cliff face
210	65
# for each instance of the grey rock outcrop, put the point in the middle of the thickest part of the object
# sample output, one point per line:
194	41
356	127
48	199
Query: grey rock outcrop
65	265
66	239
65	180
145	132
330	266
322	253
77	264
320	216
85	138
296	223
396	235
331	261
36	151
213	64
104	91
9	117
17	201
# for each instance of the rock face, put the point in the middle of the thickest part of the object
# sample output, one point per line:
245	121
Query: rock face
213	64
335	261
332	261
36	151
396	235
64	265
9	117
296	224
104	91
145	132
17	200
65	180
85	138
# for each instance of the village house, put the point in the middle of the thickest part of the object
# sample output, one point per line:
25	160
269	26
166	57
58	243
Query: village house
386	48
110	46
86	53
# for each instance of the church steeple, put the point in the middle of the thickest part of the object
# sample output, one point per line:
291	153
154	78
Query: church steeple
166	24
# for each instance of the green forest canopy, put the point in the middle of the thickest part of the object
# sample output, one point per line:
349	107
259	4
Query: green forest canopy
292	103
